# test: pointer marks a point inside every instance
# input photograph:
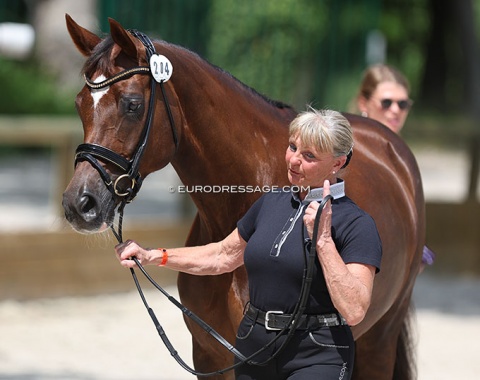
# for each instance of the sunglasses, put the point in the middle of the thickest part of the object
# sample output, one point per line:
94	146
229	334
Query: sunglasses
404	104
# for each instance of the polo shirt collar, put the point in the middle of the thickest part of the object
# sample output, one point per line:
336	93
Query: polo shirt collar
337	190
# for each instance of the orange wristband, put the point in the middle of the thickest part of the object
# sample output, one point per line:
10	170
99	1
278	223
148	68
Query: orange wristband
164	257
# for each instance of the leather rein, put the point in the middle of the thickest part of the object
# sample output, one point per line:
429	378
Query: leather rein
92	153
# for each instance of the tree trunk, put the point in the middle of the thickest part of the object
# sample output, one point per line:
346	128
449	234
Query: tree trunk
464	14
434	83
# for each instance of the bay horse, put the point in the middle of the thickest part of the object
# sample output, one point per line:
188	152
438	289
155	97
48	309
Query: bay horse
215	130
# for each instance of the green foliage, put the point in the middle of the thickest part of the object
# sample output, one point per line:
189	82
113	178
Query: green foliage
25	89
265	44
181	22
297	51
406	27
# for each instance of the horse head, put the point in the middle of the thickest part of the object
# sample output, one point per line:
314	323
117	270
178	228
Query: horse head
116	107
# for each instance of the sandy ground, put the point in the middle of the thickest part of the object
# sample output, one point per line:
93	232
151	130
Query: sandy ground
110	337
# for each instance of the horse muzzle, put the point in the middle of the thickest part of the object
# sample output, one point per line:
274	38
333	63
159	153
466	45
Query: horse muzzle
89	207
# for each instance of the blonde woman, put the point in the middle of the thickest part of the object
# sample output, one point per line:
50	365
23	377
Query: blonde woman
272	241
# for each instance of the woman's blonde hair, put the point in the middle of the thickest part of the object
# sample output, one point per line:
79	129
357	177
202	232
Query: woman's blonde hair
327	131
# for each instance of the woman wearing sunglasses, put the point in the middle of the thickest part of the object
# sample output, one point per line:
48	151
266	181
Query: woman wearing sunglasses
384	96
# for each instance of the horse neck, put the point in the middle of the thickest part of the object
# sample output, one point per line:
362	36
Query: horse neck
229	136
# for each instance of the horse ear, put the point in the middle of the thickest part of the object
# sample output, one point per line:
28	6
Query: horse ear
122	38
84	40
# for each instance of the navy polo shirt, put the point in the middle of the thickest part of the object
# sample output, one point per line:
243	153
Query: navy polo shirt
276	254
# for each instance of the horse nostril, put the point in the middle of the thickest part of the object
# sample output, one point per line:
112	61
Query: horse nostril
86	203
87	206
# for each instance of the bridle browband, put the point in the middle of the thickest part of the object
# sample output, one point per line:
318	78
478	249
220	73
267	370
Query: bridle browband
130	167
116	78
93	152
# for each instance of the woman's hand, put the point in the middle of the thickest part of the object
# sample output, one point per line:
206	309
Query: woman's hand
325	225
350	285
129	249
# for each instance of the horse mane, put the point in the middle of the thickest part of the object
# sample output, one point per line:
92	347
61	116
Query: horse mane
275	103
99	60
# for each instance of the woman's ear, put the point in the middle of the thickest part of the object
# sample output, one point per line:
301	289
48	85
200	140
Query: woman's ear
339	162
362	104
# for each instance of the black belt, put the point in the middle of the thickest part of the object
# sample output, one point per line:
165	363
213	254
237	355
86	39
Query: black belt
277	320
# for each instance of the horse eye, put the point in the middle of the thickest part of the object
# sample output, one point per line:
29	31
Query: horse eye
131	105
134	106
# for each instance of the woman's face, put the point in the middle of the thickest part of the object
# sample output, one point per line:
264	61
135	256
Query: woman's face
309	168
389	104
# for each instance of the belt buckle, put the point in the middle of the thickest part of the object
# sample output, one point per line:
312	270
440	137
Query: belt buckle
330	320
267	319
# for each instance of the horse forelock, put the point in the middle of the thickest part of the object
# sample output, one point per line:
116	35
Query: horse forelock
100	58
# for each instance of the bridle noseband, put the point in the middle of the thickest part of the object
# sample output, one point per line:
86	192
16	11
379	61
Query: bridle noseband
130	167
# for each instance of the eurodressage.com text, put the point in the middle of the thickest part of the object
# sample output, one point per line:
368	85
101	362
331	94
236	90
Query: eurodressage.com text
240	189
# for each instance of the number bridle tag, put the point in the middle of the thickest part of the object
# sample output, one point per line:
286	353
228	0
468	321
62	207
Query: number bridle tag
160	67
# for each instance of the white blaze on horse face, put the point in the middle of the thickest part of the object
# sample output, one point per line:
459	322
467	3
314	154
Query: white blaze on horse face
97	94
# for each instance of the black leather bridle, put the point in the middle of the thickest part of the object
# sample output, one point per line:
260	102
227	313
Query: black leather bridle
130	167
92	153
